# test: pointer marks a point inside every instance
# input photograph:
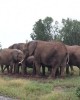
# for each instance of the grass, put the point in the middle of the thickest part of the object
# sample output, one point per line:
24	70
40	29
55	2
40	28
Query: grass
40	89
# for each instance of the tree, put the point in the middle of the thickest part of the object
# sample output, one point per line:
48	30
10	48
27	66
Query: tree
56	29
70	32
38	30
42	29
48	26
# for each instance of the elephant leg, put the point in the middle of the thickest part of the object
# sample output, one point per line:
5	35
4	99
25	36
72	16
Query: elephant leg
57	72
43	70
67	69
24	69
6	67
37	69
2	70
16	68
54	68
63	65
11	67
34	70
62	69
49	69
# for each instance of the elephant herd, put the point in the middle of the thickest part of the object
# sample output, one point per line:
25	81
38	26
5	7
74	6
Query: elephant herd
37	54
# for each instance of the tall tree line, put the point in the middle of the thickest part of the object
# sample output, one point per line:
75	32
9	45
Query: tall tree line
48	29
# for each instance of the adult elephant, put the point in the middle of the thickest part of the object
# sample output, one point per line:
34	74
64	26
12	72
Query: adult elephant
74	57
11	57
50	53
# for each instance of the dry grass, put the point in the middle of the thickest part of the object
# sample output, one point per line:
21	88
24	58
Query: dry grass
40	89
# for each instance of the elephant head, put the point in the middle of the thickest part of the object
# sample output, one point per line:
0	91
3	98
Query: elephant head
19	46
30	48
17	55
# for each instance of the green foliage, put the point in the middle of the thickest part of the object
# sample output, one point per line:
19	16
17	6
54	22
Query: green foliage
42	29
78	92
38	31
70	32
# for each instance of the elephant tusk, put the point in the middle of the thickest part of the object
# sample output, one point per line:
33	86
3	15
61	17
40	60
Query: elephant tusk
21	62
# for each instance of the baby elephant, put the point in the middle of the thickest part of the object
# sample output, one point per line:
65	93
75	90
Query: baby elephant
28	63
11	57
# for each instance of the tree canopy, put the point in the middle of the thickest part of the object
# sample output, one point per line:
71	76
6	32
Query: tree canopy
42	29
68	31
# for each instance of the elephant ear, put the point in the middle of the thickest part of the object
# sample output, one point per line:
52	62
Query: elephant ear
15	54
31	47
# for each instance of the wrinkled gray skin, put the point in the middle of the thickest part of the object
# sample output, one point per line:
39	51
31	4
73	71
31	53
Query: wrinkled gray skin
29	62
11	57
19	46
74	57
52	54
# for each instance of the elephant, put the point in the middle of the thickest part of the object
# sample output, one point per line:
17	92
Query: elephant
28	63
47	53
3	68
11	57
19	46
74	57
